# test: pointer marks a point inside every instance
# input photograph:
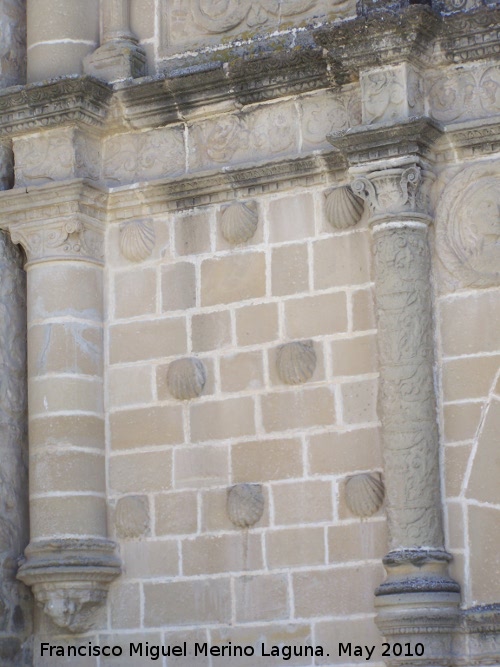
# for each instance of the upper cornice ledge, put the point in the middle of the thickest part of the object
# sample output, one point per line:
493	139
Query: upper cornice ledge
79	99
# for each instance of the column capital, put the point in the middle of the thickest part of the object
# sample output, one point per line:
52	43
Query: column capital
63	221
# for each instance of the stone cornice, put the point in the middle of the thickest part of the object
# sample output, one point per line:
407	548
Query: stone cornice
382	38
371	143
67	100
473	35
154	101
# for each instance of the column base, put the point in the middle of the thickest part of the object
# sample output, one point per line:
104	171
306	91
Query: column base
70	578
116	61
418	604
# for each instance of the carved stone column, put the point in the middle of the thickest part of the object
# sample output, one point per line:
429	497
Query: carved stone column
418	596
15	599
69	561
119	56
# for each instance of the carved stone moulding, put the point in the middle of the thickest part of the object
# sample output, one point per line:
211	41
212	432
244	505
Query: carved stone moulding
245	504
343	208
239	222
186	378
296	362
364	494
468	226
70	578
137	239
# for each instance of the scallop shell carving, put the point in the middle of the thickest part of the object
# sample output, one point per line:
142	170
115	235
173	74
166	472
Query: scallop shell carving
245	504
343	208
137	240
296	362
239	222
364	494
186	378
132	517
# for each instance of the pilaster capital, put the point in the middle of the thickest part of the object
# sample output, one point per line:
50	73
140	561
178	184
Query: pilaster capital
57	221
395	193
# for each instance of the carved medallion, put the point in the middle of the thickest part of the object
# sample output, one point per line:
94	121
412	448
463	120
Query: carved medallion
296	362
468	226
364	494
239	222
186	378
245	504
343	208
137	239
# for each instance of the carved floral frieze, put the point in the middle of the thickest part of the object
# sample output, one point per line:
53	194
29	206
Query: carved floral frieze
391	93
56	155
194	22
468	226
141	157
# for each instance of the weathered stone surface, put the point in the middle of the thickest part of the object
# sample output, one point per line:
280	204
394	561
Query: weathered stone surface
13	42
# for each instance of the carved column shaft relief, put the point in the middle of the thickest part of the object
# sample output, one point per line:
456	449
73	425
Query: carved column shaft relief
407	400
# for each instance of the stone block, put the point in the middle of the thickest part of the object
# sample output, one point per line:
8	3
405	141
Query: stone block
236	552
302	502
65	393
353	588
55	516
343	259
257	324
242	372
345	452
219	420
124	601
455	522
66	471
135	293
211	331
200	467
192	234
178	286
470	324
263	460
469	377
456	459
323	314
291	218
175	513
355	356
69	347
65	289
187	602
485	473
129	385
359	631
295	547
461	421
484	545
261	598
147	472
67	430
298	409
365	540
149	560
289	269
191	637
363	310
140	341
359	402
146	427
233	278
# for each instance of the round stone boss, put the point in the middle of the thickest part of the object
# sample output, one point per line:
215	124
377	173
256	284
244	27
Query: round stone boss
468	225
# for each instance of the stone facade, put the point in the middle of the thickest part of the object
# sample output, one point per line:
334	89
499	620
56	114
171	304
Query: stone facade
261	301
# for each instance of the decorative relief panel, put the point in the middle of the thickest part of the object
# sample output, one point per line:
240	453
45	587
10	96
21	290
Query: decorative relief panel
55	156
325	113
142	157
468	226
390	94
265	133
464	93
200	22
